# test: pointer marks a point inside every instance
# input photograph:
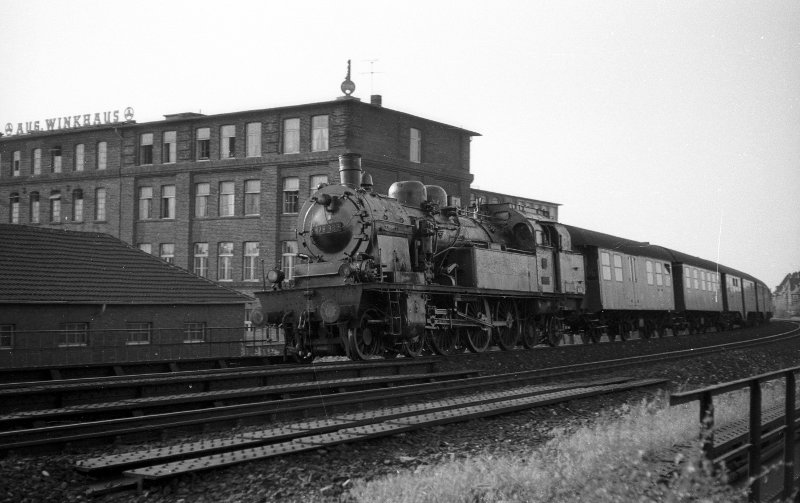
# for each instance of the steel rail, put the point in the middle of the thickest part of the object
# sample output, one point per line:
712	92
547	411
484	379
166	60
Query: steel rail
239	413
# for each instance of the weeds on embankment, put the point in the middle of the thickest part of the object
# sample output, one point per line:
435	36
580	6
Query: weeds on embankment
619	458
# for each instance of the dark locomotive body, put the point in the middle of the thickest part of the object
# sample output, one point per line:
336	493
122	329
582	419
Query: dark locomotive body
386	274
389	274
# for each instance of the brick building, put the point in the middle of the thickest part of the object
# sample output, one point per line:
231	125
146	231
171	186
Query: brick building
217	195
85	297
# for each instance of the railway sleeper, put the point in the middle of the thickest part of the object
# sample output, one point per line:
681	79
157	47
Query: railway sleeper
327	424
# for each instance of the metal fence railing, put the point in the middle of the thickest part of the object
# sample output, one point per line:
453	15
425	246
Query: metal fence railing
74	346
756	438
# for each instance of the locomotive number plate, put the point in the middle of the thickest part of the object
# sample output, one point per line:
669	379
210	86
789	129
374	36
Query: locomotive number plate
328	228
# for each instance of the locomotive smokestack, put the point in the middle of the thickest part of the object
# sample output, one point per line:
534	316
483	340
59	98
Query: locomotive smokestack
350	170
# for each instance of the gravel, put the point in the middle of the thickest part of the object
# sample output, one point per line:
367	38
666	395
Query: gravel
326	474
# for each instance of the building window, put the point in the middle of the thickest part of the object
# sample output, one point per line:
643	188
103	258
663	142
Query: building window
79	157
649	267
225	262
317	181
201	191
146	148
74	334
288	256
254	139
659	275
102	155
145	203
34	207
138	332
201	259
194	332
203	151
55	159
291	193
55	206
169	151
251	261
100	204
146	247
37	161
605	262
227	148
252	197
14	206
618	268
167	252
16	163
77	205
227	199
319	133
167	201
415	146
291	136
6	336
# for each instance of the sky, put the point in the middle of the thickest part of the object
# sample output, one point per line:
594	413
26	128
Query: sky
673	122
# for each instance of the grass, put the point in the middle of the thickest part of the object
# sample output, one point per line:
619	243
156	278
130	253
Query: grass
613	460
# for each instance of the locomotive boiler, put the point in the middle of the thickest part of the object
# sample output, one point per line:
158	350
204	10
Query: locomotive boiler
385	274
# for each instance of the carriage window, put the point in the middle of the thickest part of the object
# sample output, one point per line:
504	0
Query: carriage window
696	282
667	275
649	267
605	261
618	268
659	275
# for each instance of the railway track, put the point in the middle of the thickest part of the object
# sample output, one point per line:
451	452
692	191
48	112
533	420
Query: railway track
156	416
55	428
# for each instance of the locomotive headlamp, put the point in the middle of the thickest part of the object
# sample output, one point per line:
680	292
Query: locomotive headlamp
275	276
346	270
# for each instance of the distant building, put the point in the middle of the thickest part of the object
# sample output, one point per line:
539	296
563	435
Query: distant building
533	207
786	299
81	297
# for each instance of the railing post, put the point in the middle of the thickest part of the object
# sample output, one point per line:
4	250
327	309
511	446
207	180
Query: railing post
788	437
754	465
707	425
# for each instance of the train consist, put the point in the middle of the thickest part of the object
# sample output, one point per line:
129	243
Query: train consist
390	274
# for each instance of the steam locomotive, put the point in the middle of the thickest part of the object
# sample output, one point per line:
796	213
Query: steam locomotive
391	274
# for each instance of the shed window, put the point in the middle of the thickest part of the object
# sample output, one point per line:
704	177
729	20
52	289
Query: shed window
138	332
194	332
74	334
6	336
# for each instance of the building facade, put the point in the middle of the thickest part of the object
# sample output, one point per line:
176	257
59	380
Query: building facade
218	195
786	299
533	207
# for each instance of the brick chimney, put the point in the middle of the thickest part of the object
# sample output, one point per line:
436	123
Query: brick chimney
376	99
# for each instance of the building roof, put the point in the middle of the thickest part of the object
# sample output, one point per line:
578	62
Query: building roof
194	116
53	266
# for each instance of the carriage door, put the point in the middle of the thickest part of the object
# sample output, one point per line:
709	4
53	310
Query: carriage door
545	257
631	289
